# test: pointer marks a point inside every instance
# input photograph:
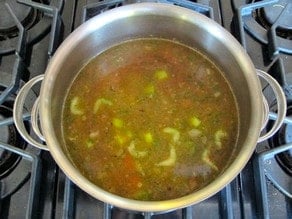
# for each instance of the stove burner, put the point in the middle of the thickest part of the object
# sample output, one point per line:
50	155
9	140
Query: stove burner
284	136
288	87
275	13
272	13
26	15
8	135
35	16
268	22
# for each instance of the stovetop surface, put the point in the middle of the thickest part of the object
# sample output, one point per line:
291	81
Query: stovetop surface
34	186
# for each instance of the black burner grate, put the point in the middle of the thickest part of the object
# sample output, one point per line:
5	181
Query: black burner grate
41	190
20	187
274	34
34	180
36	28
266	33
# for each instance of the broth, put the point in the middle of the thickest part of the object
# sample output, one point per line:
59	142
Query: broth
150	119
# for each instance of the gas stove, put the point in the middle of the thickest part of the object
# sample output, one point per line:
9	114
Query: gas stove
32	185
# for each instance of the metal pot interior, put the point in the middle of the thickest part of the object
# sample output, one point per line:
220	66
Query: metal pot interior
163	21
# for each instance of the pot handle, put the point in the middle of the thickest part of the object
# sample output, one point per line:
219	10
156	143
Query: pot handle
281	106
18	112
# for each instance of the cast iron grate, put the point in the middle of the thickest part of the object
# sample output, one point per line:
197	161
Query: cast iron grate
265	32
28	172
276	35
36	28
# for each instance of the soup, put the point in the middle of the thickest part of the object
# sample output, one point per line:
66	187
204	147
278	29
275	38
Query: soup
150	119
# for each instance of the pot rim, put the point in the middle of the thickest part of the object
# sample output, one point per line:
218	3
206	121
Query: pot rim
136	10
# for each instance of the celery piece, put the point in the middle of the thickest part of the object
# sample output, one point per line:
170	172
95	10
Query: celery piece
129	134
120	139
149	89
170	161
195	121
208	71
75	106
94	134
148	137
135	153
161	74
174	132
206	159
194	133
142	195
219	135
99	102
217	94
89	143
118	123
139	168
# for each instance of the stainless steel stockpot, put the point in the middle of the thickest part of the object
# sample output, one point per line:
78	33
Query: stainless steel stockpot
139	21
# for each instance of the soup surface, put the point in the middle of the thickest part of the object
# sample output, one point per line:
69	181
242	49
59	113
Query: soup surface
150	119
